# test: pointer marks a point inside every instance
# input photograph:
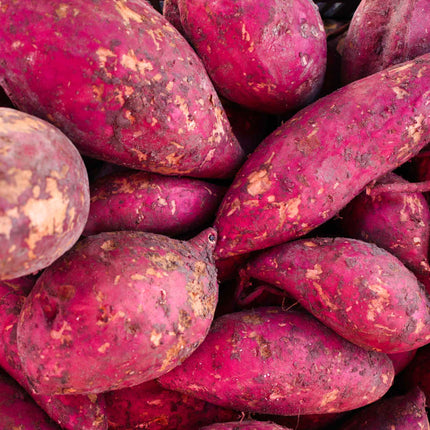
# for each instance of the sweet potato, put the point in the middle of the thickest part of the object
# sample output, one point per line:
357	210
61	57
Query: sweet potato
149	405
267	56
359	290
396	221
44	194
120	81
143	201
311	166
383	33
270	361
118	309
245	425
403	412
18	410
402	359
72	412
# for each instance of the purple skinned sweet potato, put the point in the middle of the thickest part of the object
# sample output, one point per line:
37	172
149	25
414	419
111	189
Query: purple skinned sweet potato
245	425
267	56
44	194
402	412
402	359
359	290
120	81
149	405
396	221
72	412
383	33
143	201
18	410
308	169
118	309
271	361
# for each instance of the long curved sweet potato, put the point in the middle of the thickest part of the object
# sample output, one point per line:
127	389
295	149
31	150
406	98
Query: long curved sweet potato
270	361
359	290
44	194
315	163
71	412
118	309
120	81
267	56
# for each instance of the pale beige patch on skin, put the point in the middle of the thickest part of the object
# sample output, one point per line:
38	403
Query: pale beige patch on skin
126	13
415	131
47	216
131	62
200	304
108	245
173	353
314	273
258	182
18	181
156	37
156	337
329	397
378	305
174	158
5	226
60	335
235	205
324	296
400	93
183	107
103	348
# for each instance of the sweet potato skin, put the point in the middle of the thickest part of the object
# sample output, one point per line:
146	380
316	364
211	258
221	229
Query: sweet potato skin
359	290
406	412
72	412
383	33
149	405
143	201
44	194
267	56
281	192
18	410
244	425
120	82
118	309
245	363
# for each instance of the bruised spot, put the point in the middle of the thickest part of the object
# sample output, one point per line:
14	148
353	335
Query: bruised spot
264	350
61	10
185	320
258	182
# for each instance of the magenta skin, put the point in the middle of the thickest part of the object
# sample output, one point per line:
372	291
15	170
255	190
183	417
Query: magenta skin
245	425
268	57
143	201
18	410
308	169
171	13
360	291
403	412
402	359
383	33
44	194
120	81
72	412
396	221
270	361
149	405
119	309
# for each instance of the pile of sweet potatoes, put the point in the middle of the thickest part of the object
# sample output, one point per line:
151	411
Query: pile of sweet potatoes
208	215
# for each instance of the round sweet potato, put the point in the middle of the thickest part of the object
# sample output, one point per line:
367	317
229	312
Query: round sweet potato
44	194
119	309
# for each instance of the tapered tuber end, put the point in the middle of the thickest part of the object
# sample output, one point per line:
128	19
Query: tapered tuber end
206	240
